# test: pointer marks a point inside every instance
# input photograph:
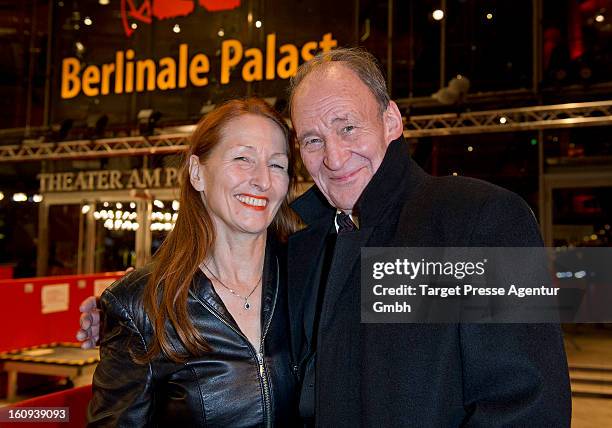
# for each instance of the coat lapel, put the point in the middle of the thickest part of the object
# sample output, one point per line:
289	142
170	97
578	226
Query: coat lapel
305	258
347	255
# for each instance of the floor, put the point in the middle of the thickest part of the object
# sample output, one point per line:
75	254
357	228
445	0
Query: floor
589	352
589	355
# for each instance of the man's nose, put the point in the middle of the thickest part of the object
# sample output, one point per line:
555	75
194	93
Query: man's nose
336	155
261	177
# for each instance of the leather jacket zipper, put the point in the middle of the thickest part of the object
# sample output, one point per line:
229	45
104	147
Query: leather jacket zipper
262	372
260	356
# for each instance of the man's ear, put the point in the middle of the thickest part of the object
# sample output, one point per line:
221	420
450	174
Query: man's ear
392	118
195	173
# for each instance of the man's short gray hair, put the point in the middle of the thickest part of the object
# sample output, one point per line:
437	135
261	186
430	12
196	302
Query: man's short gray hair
360	61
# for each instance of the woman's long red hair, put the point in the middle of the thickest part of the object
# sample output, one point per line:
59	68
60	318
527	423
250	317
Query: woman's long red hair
188	245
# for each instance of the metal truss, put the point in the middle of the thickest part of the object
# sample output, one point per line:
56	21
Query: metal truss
508	120
127	146
516	119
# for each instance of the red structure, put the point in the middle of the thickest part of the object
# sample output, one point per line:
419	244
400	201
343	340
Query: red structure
22	316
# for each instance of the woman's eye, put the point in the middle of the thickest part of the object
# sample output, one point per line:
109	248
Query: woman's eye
241	158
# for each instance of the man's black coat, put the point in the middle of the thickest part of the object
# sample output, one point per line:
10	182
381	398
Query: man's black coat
429	375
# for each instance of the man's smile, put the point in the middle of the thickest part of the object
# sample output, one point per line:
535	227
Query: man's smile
344	178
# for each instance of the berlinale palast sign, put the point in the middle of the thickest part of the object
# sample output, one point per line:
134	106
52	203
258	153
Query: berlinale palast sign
130	72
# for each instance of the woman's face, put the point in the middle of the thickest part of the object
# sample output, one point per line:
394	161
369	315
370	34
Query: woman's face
245	179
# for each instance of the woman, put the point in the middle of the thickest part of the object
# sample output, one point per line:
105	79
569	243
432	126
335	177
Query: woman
201	337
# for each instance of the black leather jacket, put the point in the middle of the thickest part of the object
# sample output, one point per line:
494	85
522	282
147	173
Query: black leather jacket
234	385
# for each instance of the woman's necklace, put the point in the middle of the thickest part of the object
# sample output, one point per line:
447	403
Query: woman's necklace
247	305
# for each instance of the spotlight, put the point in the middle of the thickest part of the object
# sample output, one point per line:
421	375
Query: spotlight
96	124
37	198
85	209
258	24
146	121
60	131
455	92
438	14
207	107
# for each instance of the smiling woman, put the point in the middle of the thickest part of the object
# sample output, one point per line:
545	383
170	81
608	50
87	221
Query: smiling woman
200	336
245	178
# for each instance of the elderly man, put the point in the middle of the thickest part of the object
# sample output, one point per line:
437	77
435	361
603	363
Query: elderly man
370	193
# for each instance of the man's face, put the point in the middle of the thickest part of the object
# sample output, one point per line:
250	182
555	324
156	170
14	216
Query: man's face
342	133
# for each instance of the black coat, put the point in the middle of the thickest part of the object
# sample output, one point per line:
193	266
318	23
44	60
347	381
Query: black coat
228	387
429	375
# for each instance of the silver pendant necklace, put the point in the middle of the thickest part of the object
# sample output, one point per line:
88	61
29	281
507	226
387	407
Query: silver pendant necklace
246	305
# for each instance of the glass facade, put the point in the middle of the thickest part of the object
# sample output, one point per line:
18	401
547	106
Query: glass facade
75	69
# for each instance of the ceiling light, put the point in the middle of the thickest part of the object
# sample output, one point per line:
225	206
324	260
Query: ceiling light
20	197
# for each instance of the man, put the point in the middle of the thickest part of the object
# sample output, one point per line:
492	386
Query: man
369	193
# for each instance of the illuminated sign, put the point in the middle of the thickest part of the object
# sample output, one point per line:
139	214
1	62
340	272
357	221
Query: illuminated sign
166	9
108	180
128	74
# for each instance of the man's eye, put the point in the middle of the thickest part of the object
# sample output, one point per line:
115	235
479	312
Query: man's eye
313	142
279	166
348	129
